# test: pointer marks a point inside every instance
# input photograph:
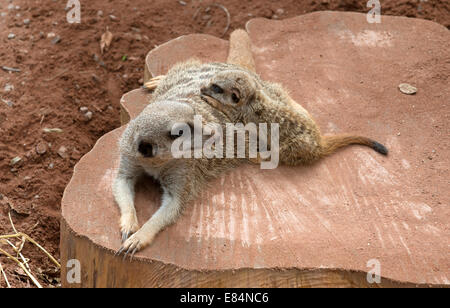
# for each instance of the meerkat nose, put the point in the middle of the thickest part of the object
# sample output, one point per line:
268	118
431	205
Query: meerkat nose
146	149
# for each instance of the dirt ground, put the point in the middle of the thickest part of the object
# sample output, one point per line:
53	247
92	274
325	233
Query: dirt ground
66	85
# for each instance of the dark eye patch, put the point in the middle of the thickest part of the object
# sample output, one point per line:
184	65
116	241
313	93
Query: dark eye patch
146	149
235	98
176	134
216	89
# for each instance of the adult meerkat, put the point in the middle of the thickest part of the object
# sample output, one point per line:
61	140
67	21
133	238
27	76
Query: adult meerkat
245	98
145	146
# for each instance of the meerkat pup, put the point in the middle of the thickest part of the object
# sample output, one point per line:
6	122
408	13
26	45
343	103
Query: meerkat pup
243	97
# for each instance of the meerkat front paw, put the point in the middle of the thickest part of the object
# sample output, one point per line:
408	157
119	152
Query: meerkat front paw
153	83
135	243
128	225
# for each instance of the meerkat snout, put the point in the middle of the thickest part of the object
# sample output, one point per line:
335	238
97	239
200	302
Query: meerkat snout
151	134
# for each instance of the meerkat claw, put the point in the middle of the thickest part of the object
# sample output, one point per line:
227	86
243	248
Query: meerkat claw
130	249
132	254
153	83
119	251
125	236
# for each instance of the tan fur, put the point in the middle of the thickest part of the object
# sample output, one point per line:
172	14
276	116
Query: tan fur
245	98
240	50
145	147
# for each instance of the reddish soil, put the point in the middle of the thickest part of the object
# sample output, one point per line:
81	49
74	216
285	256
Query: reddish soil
58	76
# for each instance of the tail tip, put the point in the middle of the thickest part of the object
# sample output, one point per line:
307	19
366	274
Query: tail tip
380	148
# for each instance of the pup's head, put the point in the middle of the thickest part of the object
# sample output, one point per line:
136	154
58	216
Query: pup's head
230	91
149	137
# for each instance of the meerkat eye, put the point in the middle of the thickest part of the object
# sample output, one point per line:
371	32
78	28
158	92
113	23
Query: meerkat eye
176	134
235	98
146	149
216	89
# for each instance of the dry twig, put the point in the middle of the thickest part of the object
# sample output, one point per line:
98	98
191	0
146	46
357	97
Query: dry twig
4	276
220	6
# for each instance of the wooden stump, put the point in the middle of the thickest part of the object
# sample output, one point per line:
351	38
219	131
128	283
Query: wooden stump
322	225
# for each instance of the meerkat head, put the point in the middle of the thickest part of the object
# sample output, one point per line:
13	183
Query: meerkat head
230	91
149	137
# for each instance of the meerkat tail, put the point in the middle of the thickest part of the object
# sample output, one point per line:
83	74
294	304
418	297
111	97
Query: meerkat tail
331	144
240	52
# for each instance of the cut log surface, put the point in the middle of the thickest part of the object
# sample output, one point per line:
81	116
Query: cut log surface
321	225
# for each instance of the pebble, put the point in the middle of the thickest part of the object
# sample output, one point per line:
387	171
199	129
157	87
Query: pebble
100	13
8	87
56	40
51	35
84	109
182	3
407	88
26	21
15	160
11	36
280	11
88	116
112	17
51	166
62	152
41	148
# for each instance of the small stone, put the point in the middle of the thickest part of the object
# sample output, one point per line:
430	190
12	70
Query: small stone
11	36
11	7
26	21
15	160
407	88
51	166
56	40
182	3
398	134
27	178
41	148
8	87
84	109
62	152
100	13
113	18
280	11
51	35
88	116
